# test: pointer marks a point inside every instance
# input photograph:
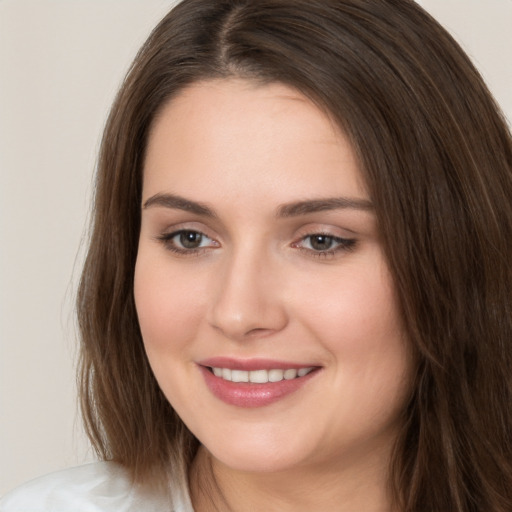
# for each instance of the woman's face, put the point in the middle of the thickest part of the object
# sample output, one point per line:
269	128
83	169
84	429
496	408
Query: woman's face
260	262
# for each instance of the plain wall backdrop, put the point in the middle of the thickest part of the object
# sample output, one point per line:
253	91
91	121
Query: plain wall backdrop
61	62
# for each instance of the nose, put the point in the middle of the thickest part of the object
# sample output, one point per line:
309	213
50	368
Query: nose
247	300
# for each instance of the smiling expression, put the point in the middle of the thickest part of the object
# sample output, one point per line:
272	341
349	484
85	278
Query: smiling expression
264	299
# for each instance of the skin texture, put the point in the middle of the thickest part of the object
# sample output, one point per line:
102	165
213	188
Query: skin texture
258	287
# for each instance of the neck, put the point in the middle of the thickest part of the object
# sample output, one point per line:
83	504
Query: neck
358	486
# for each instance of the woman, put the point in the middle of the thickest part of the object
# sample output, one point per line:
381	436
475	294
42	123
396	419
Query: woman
297	291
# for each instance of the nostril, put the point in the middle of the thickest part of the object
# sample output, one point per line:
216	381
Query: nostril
259	332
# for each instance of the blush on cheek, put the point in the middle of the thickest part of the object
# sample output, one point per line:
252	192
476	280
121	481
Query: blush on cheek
167	318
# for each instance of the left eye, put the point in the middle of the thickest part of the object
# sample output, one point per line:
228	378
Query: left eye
319	242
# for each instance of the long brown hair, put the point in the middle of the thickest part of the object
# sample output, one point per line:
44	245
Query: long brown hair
436	155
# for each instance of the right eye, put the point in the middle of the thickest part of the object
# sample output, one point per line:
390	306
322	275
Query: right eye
186	241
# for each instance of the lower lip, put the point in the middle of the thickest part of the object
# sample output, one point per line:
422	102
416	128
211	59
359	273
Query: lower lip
248	394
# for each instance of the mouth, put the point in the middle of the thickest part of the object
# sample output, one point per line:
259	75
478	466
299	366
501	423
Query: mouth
254	383
260	376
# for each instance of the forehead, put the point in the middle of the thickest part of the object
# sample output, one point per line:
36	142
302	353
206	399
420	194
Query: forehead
239	134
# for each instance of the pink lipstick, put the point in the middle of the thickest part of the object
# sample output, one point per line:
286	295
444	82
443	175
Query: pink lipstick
254	382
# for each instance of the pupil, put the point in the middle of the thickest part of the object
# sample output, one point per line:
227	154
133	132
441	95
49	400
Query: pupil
321	242
190	239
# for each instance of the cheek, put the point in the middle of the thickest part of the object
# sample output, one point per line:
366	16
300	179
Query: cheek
168	306
359	325
168	309
358	313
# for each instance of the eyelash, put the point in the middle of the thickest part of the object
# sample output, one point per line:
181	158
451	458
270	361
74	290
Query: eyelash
343	244
169	244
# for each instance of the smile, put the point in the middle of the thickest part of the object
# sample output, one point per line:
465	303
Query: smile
260	376
256	382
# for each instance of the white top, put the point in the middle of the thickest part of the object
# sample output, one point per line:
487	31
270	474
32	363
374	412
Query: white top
96	487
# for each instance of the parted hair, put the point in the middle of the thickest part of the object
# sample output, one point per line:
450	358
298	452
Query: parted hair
436	156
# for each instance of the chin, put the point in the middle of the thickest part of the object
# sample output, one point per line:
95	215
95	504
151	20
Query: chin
255	453
256	462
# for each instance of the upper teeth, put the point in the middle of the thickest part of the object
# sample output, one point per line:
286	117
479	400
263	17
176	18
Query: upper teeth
260	376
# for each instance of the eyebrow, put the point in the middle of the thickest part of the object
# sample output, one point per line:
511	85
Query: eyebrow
179	203
319	205
294	209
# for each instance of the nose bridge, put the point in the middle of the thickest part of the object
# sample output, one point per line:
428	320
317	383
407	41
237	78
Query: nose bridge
247	297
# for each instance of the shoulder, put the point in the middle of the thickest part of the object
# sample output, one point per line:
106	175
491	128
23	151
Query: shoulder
96	487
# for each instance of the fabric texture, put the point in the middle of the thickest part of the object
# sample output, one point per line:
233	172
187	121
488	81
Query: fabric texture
96	487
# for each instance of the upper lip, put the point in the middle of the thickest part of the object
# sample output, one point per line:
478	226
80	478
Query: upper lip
252	364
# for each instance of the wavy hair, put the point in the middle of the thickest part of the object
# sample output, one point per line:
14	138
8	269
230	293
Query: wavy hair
436	155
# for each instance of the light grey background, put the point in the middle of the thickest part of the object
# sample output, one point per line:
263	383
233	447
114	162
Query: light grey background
61	62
